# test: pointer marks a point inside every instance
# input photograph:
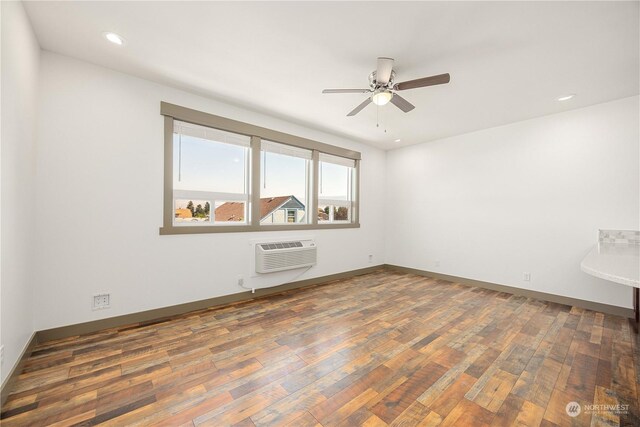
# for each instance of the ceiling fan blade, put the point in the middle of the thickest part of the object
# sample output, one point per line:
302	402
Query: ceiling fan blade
345	91
383	72
360	107
402	103
425	81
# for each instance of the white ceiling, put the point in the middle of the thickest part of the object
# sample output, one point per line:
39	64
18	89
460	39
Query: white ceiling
508	61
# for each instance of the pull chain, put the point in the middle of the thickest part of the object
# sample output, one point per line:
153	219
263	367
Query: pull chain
180	157
378	118
264	170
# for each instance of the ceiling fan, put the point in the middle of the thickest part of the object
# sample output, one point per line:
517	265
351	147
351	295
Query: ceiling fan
383	88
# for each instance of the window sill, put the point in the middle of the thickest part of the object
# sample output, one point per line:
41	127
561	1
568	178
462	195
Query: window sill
164	231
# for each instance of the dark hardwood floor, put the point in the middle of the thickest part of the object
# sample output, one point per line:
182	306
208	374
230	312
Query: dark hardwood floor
379	349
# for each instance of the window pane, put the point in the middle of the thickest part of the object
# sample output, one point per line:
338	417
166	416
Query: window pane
209	164
330	213
341	213
335	198
335	181
230	212
192	211
284	184
323	213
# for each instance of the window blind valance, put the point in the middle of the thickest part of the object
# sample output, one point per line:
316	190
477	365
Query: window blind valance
287	150
337	160
202	132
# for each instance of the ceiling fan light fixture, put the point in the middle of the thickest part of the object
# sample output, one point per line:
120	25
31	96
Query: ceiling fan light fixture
381	97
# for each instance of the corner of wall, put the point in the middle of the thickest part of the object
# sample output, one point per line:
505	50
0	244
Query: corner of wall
20	53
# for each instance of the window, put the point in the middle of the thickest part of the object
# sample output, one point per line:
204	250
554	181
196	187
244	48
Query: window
284	184
336	189
211	168
222	175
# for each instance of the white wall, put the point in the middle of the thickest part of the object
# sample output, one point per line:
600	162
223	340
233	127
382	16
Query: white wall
20	56
526	197
100	180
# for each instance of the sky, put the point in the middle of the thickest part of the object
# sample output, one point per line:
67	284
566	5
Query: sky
206	165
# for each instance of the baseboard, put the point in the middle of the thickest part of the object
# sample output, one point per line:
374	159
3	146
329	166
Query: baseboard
176	310
17	368
589	305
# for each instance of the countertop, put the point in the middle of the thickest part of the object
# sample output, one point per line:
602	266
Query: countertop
617	262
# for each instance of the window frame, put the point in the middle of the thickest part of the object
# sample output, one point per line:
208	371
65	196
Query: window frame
173	112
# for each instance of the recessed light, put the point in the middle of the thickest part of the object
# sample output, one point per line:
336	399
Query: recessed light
397	140
566	97
114	38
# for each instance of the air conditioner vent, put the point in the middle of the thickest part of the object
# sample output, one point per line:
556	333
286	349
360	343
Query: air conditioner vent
280	256
283	245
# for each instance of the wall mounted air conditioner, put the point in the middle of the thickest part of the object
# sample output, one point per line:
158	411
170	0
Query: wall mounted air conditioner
280	256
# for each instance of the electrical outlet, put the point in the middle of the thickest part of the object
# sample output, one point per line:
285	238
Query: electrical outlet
526	276
436	263
370	259
240	281
101	301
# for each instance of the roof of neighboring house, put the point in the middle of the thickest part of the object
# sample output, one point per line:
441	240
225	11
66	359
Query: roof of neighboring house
270	204
183	213
230	211
234	211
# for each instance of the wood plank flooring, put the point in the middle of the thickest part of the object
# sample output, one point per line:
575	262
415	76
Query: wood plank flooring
380	349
